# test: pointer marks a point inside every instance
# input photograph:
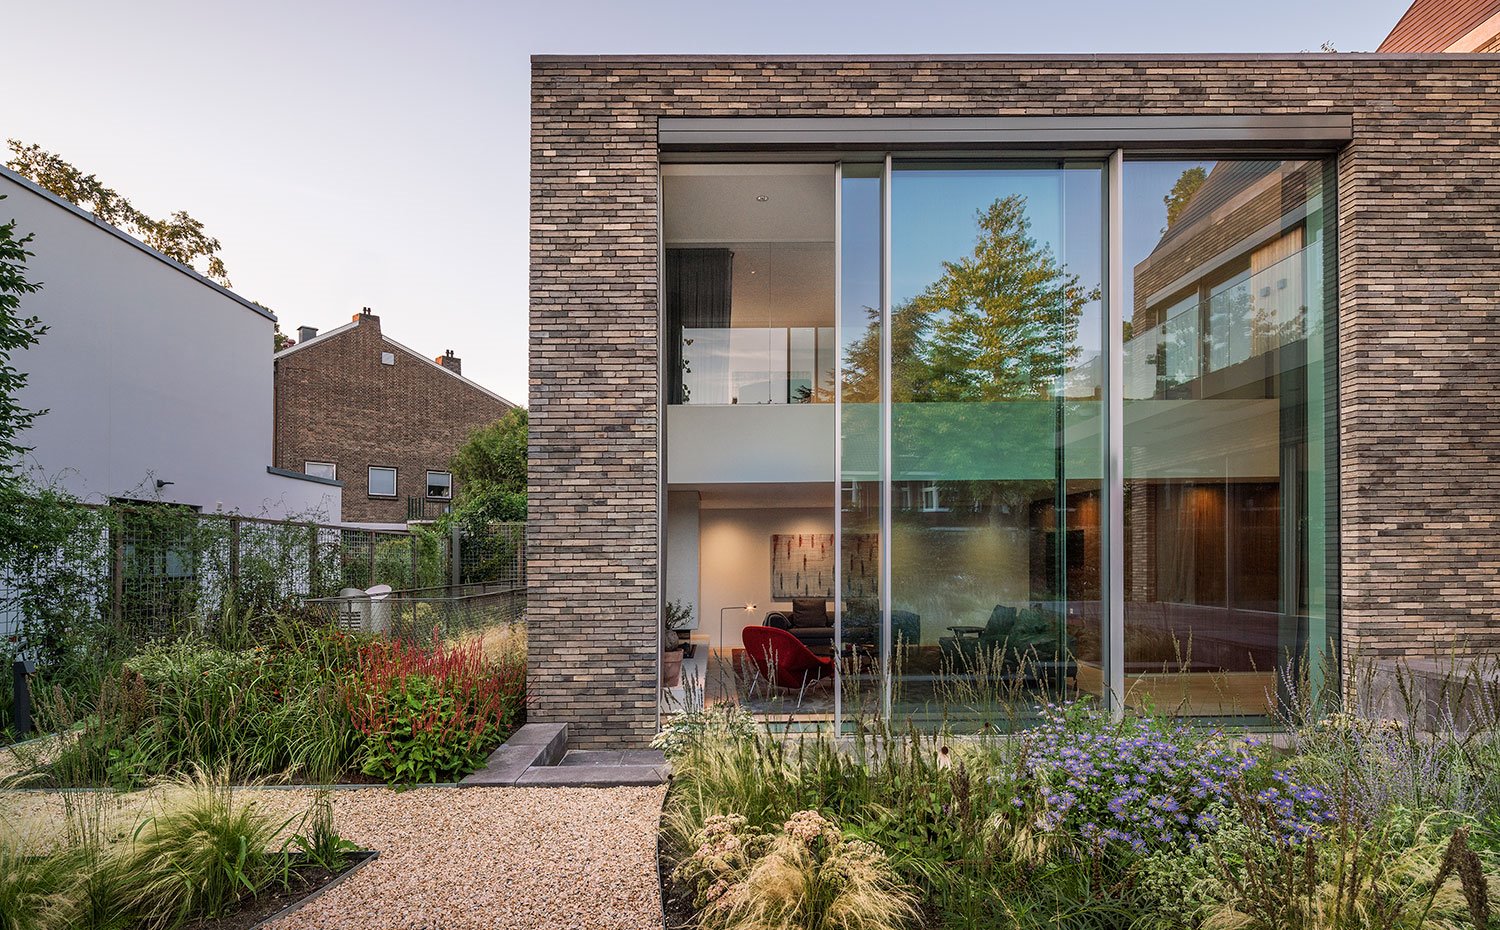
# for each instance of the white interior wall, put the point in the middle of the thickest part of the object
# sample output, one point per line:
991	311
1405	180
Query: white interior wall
735	562
682	552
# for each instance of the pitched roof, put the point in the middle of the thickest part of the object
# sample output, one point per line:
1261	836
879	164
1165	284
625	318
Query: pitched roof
321	337
126	237
1435	25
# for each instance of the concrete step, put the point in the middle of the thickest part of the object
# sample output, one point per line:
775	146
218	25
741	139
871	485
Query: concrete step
592	776
537	755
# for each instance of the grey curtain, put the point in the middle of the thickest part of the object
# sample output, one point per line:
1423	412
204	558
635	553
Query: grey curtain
698	295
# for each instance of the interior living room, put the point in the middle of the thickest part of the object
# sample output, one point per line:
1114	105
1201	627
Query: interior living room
749	307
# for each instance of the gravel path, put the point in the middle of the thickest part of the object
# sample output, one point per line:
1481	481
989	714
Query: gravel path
504	858
566	858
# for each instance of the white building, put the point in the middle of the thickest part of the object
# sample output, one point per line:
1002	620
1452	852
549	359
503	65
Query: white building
157	382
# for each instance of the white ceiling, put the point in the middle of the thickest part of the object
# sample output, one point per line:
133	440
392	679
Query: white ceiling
782	284
717	204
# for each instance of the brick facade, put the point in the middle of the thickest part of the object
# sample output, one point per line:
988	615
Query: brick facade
336	401
1419	313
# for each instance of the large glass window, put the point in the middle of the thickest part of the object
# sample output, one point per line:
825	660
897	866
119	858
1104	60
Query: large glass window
996	301
750	321
1228	442
749	284
888	393
866	647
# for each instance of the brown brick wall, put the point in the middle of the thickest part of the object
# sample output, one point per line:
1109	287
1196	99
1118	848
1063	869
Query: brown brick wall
1419	246
336	402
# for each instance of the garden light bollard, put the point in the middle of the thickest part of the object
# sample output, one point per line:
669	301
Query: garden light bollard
21	673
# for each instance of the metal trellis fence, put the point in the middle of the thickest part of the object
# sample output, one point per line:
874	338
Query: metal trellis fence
149	571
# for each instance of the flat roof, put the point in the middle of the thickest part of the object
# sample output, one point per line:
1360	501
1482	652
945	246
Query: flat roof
1060	58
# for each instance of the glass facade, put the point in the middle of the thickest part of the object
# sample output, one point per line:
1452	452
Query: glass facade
996	323
959	318
864	641
1228	416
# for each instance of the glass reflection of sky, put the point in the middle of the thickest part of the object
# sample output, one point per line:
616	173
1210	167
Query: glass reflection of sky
934	218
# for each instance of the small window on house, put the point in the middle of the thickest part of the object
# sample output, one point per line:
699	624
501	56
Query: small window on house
382	481
321	470
439	485
387	358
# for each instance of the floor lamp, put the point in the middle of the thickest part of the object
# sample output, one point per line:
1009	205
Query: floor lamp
747	607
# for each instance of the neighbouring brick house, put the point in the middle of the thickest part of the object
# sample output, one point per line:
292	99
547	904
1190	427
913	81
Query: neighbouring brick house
1446	26
1301	423
354	405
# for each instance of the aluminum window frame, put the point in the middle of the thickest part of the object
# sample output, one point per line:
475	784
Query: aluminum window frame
884	140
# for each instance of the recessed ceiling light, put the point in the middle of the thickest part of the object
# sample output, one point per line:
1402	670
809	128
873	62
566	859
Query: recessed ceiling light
761	198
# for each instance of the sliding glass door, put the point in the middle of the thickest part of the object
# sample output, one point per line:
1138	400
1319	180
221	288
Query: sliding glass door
995	317
960	320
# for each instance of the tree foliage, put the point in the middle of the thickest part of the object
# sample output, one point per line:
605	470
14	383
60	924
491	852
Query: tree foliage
1183	192
495	455
17	332
491	471
179	237
1000	323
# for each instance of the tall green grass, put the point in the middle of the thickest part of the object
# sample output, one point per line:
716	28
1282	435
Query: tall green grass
203	850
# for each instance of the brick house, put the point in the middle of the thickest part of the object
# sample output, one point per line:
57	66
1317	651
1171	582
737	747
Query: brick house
778	351
1446	26
354	405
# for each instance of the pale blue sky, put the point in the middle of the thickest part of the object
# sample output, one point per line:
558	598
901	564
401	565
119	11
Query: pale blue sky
375	153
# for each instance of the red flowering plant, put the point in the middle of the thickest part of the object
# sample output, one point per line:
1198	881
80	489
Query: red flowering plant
431	713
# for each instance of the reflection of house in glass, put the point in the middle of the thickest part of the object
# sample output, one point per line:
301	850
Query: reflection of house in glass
1221	369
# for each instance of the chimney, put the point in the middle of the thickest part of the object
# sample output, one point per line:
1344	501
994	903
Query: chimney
451	362
304	333
365	318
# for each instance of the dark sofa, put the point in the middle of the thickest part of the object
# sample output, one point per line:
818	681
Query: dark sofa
1025	643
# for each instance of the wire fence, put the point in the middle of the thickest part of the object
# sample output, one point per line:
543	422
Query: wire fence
153	571
423	615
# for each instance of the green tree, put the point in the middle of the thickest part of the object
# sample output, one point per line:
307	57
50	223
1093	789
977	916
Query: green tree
495	455
17	332
491	471
179	236
1183	192
1000	323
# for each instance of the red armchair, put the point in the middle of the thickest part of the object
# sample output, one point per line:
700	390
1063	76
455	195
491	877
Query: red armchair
782	661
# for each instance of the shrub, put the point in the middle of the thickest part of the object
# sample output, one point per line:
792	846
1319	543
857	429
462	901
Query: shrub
431	713
1143	783
806	875
1406	871
200	856
271	711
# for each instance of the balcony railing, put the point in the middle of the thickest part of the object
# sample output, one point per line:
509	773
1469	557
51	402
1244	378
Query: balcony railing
746	365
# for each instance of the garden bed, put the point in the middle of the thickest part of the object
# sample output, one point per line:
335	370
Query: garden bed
299	706
1350	822
304	883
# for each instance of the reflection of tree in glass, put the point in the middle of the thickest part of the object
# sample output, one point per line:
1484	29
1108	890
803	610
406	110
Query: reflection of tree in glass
1183	192
999	324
